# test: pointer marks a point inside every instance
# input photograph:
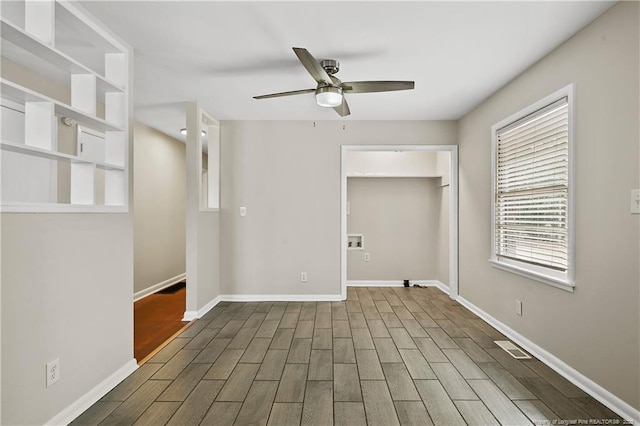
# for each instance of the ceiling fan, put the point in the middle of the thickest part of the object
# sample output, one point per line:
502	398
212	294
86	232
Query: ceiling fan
330	90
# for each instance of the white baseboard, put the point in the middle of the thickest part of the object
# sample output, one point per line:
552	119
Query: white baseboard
281	298
595	390
374	283
191	315
157	287
70	413
440	285
397	283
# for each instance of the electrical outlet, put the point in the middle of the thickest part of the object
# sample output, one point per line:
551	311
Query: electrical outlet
303	277
635	201
367	257
53	371
243	211
518	307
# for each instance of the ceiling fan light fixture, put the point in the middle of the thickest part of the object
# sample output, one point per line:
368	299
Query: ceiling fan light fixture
329	96
184	132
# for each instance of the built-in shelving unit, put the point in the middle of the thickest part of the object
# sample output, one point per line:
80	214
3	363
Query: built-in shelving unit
62	70
57	156
19	94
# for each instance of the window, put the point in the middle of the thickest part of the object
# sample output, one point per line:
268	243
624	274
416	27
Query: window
532	225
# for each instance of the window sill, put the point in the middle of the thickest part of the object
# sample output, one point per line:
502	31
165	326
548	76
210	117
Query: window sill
546	279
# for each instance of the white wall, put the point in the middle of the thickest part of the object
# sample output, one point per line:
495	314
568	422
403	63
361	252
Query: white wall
392	163
596	329
287	174
398	218
159	197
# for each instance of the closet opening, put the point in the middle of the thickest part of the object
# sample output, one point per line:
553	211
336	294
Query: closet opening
399	216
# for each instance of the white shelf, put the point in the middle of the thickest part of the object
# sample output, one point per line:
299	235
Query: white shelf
62	45
17	93
9	207
52	155
44	53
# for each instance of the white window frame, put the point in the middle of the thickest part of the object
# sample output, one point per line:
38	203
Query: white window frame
562	280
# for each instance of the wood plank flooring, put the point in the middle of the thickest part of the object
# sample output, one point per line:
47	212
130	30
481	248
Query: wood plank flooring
156	318
386	356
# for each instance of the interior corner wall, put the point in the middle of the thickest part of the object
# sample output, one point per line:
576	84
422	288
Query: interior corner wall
596	329
443	234
443	166
288	176
398	217
159	197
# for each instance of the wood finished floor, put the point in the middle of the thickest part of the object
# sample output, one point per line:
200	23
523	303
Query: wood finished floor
386	356
156	318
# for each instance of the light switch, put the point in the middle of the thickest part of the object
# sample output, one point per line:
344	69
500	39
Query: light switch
243	211
367	257
635	201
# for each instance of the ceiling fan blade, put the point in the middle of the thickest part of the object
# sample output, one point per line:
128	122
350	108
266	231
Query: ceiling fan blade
313	67
343	109
376	86
290	93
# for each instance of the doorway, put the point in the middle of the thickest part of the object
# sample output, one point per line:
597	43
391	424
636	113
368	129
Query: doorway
452	154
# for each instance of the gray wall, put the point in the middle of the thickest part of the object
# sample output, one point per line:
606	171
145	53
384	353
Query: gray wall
595	330
202	227
208	258
159	191
287	174
443	164
398	218
66	293
443	236
67	283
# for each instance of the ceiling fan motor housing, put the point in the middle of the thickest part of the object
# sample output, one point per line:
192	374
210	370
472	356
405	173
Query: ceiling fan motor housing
331	66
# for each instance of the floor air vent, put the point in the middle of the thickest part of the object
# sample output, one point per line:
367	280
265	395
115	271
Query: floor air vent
512	349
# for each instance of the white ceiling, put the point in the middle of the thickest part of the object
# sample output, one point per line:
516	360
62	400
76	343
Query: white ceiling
223	53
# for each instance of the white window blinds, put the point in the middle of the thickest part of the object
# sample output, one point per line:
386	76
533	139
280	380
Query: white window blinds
532	188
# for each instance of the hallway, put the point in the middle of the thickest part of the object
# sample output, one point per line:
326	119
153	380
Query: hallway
156	318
